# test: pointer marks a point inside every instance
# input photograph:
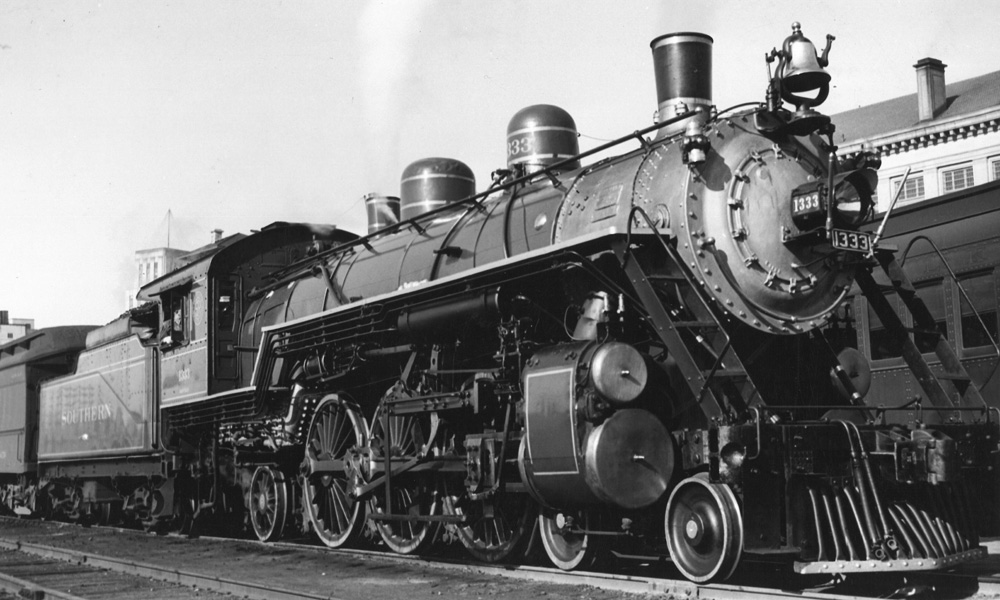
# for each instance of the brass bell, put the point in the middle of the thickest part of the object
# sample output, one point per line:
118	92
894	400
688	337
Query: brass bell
800	71
803	70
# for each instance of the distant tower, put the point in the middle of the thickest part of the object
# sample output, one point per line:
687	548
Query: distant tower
11	329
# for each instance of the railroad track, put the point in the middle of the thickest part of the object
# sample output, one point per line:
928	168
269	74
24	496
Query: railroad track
38	571
48	568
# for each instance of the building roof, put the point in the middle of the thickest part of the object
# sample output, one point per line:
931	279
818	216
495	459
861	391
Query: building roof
963	98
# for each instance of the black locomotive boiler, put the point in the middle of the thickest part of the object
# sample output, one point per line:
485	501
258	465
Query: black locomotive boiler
627	355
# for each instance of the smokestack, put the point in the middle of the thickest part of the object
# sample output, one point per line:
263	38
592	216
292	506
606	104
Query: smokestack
216	235
4	317
931	96
683	66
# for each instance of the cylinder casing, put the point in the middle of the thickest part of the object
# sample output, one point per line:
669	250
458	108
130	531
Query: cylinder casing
577	450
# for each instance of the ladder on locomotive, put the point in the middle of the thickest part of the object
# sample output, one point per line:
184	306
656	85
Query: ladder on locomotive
951	386
691	332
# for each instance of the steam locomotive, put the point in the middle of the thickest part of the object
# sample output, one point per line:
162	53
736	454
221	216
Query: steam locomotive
625	356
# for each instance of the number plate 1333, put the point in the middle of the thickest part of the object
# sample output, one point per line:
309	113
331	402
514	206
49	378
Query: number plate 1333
856	241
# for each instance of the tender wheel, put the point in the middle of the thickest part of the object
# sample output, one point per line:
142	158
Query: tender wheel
566	546
336	428
268	503
495	527
411	495
704	529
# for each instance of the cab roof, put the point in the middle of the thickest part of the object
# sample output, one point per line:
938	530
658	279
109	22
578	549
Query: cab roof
226	254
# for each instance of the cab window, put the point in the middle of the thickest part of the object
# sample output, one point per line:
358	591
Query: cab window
176	326
227	309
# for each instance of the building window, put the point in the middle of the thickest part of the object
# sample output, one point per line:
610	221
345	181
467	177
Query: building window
956	179
995	169
913	190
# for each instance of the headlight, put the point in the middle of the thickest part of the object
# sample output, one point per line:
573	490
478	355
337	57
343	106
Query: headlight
853	197
853	204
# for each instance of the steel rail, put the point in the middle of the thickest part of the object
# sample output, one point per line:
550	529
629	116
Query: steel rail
131	567
29	589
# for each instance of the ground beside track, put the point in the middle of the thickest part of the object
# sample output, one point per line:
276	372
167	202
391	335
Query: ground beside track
339	576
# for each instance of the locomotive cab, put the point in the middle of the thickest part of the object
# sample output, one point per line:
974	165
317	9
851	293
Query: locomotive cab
203	302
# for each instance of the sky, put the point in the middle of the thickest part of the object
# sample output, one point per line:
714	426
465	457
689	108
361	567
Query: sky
237	114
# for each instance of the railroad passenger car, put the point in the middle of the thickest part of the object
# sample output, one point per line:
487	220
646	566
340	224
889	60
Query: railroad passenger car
950	249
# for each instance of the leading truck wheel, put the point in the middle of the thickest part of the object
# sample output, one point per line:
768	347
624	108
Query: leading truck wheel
704	529
268	503
337	427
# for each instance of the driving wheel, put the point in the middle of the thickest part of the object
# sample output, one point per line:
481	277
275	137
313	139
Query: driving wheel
494	527
411	495
704	529
336	428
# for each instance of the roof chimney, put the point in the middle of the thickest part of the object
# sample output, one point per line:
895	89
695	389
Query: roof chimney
216	235
930	87
4	318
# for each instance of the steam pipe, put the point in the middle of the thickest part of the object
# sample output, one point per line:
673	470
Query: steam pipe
866	541
834	526
873	533
911	547
934	515
940	507
918	530
821	548
935	534
961	519
887	537
852	552
927	536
